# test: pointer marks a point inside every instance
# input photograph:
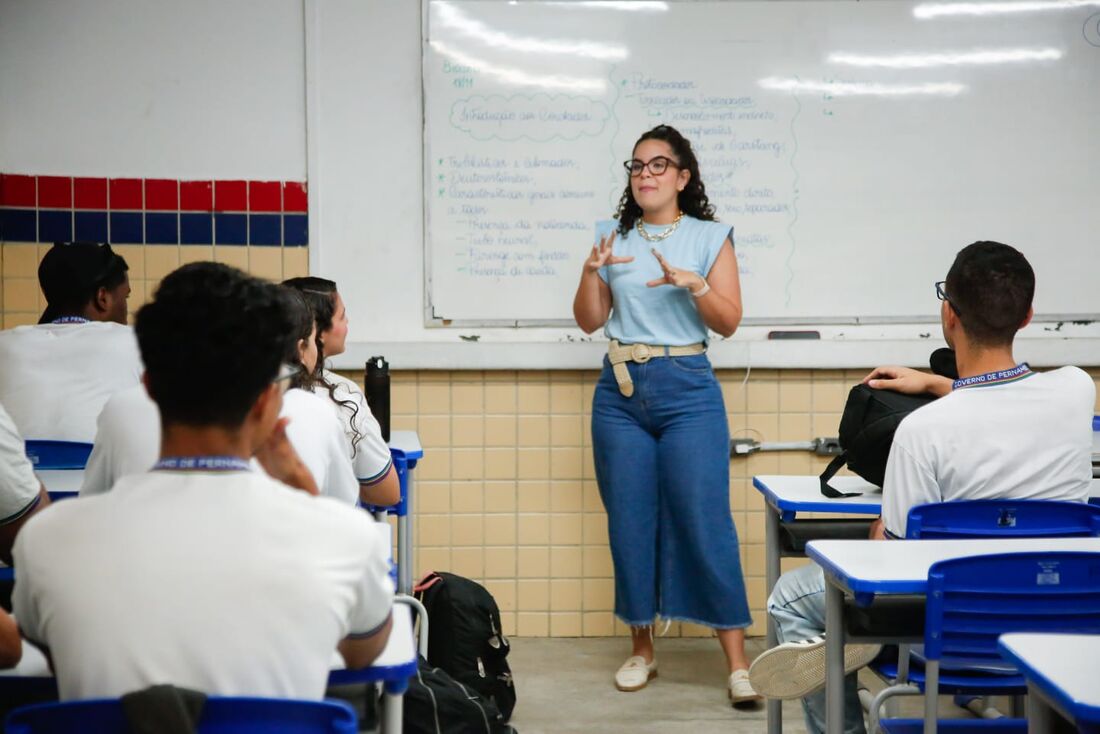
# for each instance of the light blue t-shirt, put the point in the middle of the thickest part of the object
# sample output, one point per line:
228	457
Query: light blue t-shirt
664	315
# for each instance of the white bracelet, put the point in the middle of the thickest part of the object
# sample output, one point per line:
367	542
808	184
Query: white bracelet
702	291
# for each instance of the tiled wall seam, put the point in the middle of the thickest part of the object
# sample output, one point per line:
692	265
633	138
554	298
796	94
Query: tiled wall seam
153	211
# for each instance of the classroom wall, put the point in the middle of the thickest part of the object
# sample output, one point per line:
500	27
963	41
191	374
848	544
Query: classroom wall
506	492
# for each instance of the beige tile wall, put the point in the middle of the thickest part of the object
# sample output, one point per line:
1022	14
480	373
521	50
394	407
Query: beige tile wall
22	299
506	492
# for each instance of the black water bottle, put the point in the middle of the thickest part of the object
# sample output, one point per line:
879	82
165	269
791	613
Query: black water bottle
376	386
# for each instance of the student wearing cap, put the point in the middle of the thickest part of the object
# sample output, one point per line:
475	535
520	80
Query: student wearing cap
203	573
58	374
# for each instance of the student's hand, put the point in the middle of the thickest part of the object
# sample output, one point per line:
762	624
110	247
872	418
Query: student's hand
602	254
907	380
878	530
281	461
674	276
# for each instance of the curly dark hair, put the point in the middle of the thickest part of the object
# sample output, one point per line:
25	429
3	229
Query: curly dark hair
692	200
320	295
212	340
990	285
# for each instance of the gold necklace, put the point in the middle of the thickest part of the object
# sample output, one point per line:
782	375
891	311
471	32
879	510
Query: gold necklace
640	226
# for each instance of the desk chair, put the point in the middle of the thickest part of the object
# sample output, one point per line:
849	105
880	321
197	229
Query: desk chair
220	715
971	601
58	454
979	519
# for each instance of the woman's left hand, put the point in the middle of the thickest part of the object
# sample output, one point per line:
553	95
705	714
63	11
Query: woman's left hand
674	276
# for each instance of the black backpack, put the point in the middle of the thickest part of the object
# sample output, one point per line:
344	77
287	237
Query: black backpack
465	638
866	432
435	703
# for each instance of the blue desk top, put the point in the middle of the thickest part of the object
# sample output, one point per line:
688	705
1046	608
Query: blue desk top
791	494
1066	668
869	567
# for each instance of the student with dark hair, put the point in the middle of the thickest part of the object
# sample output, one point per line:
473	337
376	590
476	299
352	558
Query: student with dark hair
660	437
127	436
58	374
221	579
1000	431
368	451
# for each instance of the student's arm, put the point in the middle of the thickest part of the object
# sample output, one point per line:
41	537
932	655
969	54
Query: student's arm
10	529
11	644
907	380
371	618
361	651
383	492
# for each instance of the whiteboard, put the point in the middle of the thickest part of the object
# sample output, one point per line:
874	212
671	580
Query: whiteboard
854	147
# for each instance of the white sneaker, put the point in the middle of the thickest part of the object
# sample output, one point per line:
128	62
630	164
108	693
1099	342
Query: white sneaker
635	673
740	689
797	669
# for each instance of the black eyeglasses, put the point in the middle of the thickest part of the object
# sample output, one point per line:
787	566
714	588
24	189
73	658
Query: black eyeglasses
942	295
656	166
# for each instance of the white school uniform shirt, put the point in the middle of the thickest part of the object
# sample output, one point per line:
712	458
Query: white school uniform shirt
57	377
1028	439
371	456
225	582
18	485
128	442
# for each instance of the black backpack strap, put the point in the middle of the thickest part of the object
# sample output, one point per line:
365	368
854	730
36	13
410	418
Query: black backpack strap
830	471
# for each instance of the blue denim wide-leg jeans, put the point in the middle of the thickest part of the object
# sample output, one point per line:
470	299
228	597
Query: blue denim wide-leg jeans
662	463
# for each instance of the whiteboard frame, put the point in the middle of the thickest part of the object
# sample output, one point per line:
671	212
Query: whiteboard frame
431	321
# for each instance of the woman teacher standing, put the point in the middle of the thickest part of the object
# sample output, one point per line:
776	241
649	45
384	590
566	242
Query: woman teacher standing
657	283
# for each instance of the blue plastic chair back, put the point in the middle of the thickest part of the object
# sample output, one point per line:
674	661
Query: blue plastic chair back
58	454
401	465
1003	518
221	715
971	601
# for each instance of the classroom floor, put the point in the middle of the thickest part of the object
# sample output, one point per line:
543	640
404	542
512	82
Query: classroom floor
564	686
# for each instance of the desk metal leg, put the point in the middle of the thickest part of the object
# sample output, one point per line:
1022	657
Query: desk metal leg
392	713
405	541
834	658
771	544
1041	717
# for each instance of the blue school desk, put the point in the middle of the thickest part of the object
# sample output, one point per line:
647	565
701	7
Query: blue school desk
406	451
788	497
866	569
1063	677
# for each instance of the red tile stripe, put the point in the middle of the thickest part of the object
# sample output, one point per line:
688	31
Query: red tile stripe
152	194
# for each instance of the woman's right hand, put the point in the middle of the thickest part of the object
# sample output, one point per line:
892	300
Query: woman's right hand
603	254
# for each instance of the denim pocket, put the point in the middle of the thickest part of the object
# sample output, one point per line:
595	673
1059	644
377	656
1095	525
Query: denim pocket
696	364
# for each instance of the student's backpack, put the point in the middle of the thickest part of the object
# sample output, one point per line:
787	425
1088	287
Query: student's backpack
435	703
465	638
866	432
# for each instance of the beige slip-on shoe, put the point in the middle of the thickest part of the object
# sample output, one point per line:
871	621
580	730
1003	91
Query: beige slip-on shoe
635	673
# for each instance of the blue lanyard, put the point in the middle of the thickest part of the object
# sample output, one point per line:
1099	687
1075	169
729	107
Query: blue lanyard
999	377
70	320
201	463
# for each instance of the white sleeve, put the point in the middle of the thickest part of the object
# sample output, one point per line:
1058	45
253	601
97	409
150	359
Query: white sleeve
372	456
19	486
909	482
375	590
127	440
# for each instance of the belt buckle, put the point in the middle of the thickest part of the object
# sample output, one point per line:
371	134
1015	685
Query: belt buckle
640	353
